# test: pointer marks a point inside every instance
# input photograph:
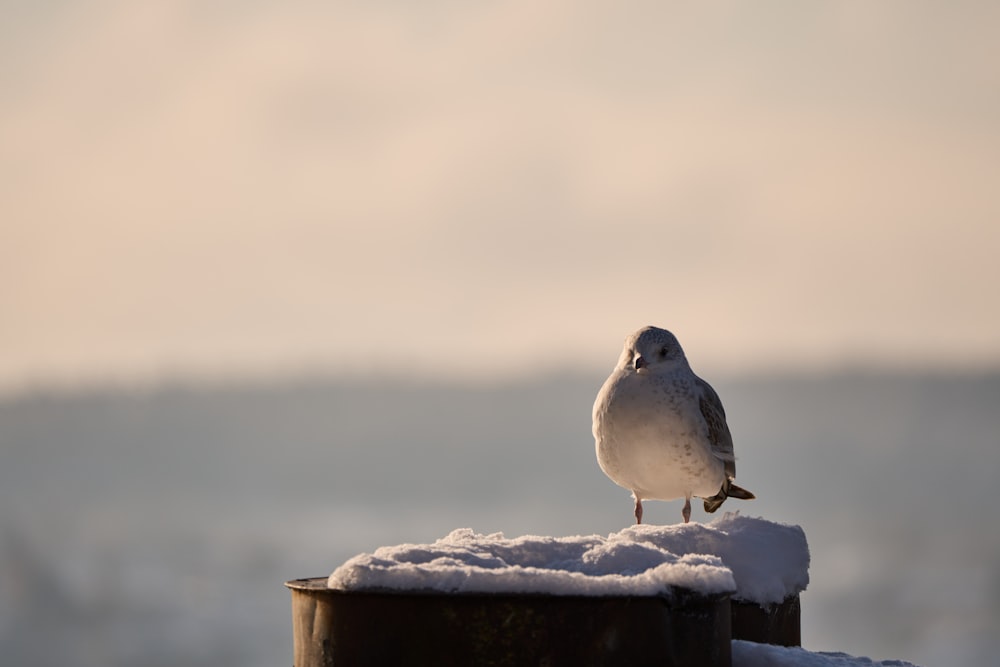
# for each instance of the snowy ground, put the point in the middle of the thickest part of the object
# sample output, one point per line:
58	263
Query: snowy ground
749	654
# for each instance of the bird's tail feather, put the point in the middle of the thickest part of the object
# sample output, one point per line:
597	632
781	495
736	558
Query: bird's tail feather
728	490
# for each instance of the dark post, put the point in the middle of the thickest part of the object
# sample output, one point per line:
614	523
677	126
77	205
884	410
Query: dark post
768	624
332	627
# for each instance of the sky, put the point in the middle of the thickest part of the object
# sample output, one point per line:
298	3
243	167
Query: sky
481	189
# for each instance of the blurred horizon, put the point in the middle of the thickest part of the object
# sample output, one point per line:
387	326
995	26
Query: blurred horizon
208	383
234	189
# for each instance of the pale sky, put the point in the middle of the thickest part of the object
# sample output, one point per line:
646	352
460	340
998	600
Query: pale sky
478	189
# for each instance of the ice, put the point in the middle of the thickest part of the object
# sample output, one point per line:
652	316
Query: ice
744	556
749	654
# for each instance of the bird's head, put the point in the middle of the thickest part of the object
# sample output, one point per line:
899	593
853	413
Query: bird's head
651	350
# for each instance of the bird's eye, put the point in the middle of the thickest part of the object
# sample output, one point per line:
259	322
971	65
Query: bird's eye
663	353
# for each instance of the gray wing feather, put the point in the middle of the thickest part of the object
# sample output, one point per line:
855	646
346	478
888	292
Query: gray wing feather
718	431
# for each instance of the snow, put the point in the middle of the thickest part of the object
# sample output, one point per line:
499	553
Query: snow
769	561
749	654
467	562
753	559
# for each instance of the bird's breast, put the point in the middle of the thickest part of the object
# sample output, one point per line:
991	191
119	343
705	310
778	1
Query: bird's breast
650	435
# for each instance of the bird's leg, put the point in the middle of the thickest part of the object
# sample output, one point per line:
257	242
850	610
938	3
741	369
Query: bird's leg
638	510
687	509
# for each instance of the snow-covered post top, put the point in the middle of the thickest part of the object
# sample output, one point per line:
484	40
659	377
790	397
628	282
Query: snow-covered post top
769	561
752	559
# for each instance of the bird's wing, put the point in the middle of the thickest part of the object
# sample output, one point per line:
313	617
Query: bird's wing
718	431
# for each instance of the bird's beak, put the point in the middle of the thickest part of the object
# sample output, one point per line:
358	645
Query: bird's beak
640	363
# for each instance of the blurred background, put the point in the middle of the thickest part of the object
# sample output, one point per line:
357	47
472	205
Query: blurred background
282	282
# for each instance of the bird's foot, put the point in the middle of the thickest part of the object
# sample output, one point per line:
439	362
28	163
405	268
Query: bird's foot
686	512
638	511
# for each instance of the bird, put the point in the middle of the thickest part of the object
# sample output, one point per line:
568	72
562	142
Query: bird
660	430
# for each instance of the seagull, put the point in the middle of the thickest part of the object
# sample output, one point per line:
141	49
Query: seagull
661	431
